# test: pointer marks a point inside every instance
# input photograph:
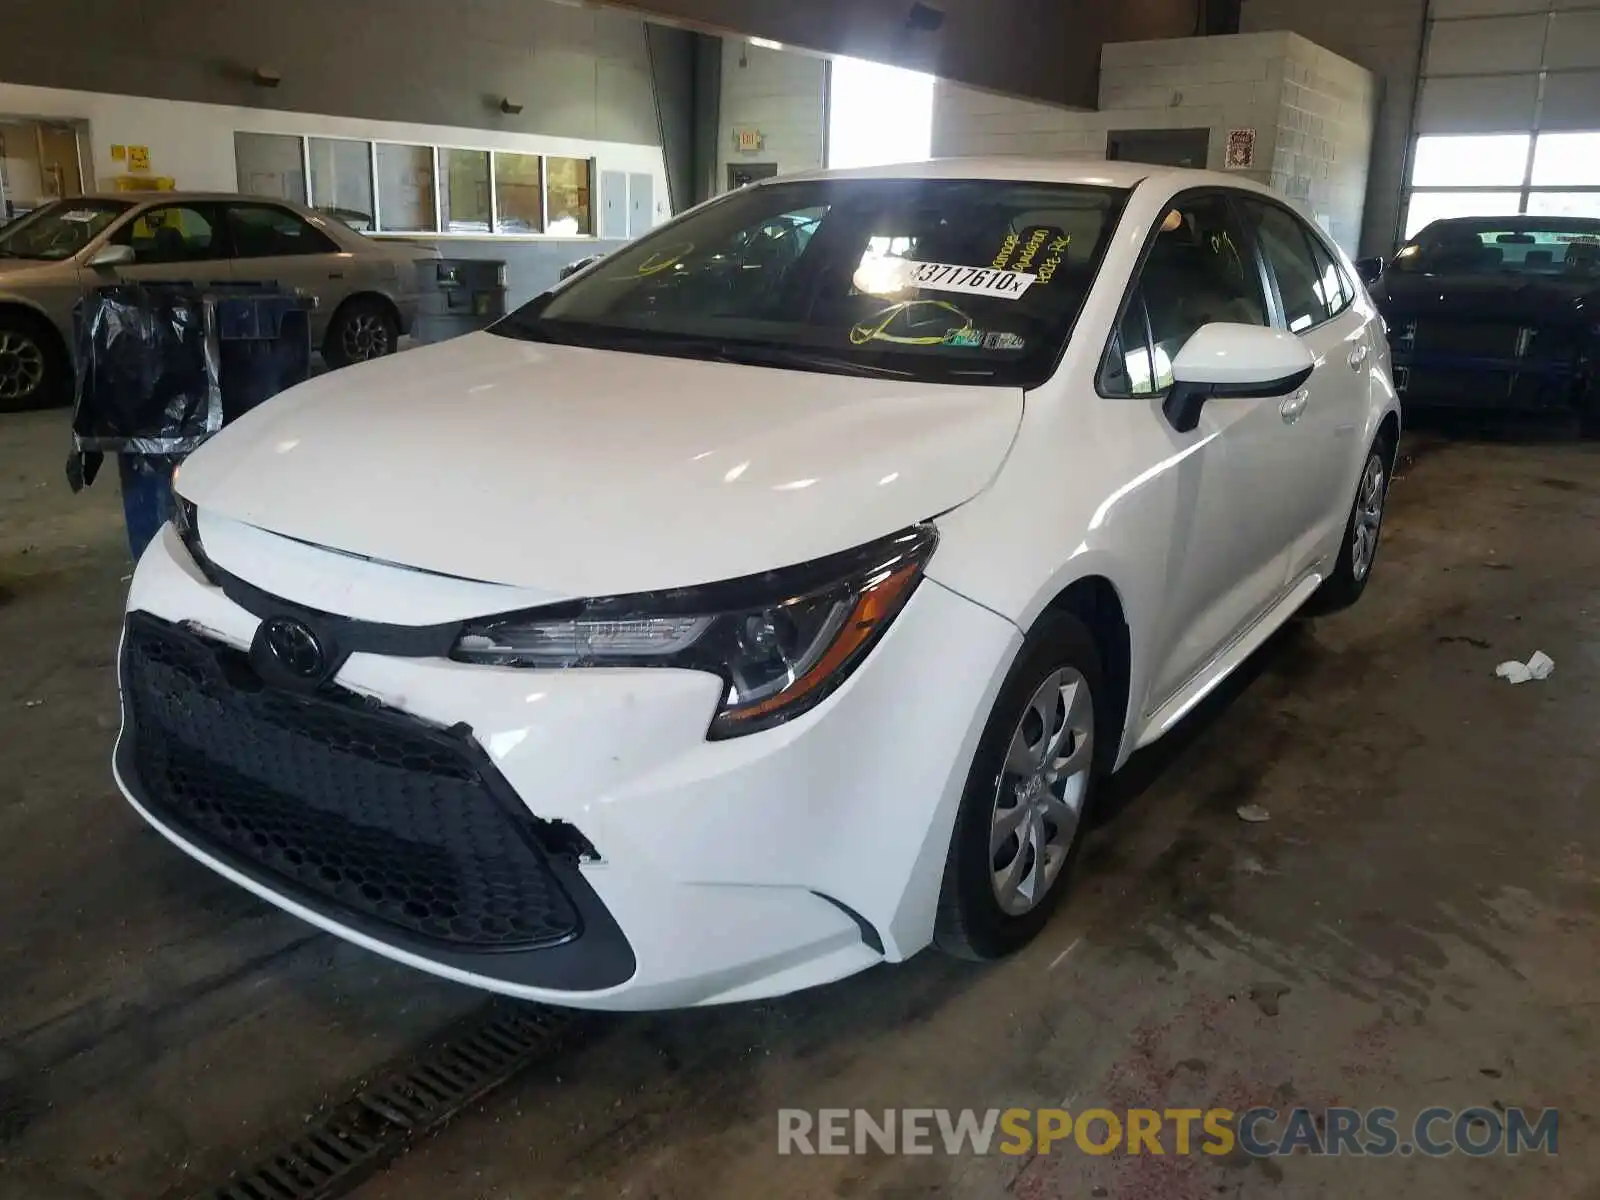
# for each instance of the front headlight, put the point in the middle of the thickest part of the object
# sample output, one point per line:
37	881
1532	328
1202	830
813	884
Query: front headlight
782	642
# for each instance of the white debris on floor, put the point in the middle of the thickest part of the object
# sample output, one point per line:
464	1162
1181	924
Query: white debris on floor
1538	667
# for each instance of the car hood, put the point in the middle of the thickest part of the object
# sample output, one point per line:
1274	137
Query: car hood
577	472
1488	298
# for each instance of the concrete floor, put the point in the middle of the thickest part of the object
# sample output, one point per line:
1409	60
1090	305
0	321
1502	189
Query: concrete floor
1425	903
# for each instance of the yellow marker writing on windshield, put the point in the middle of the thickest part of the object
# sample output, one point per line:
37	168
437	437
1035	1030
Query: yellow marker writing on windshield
876	330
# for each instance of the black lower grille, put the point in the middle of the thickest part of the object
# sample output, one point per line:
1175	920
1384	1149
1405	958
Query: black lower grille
360	806
1483	339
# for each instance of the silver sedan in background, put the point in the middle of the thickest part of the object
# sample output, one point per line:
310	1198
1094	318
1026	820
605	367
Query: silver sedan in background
365	291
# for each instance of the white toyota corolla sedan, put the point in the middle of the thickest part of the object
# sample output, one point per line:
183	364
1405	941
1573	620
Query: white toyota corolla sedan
765	601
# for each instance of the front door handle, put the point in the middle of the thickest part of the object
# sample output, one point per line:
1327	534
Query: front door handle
1293	406
1358	357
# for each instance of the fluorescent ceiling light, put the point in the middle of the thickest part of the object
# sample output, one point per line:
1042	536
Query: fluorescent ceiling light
766	43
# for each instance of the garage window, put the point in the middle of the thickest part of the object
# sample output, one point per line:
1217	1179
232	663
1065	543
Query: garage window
567	184
518	194
391	187
464	190
405	189
1506	116
341	180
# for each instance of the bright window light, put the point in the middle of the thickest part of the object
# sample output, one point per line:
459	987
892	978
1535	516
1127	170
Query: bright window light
1499	159
1567	158
1427	207
878	115
1564	204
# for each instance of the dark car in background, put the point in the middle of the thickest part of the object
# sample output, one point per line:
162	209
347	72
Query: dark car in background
1497	313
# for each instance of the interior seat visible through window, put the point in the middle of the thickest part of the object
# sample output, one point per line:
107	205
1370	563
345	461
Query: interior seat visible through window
1199	269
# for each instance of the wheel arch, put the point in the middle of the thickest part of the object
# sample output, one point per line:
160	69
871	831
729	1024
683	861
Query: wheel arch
16	306
1389	428
1097	602
55	342
383	299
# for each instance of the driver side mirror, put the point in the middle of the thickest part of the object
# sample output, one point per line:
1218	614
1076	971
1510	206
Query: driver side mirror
1370	270
1227	361
111	256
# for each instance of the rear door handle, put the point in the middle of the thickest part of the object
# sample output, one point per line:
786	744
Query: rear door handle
1358	356
1293	406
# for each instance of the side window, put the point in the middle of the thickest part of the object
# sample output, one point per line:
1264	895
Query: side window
1127	369
1199	270
1287	249
1333	289
171	233
265	231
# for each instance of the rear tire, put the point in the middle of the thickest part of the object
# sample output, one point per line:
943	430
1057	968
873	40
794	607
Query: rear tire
364	328
34	373
1358	552
1028	798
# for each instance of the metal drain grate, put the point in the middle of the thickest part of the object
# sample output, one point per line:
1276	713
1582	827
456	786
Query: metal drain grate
345	1146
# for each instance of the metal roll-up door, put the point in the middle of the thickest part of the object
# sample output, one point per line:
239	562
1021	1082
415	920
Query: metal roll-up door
1508	111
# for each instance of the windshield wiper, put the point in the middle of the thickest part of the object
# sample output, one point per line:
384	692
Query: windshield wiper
788	356
711	349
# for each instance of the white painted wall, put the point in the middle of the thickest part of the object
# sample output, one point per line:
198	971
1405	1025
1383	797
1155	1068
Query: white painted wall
781	93
193	143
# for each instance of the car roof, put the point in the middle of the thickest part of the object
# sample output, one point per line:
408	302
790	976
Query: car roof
1514	223
184	197
1086	171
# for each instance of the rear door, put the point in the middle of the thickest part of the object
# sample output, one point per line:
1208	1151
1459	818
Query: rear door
1322	420
276	247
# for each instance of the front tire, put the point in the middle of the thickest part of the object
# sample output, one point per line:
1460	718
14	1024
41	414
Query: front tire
364	328
1028	796
1362	531
32	371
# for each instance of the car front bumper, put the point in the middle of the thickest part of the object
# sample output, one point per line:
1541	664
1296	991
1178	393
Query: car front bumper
414	803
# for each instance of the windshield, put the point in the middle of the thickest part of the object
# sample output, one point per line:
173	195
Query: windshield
1550	247
59	229
956	281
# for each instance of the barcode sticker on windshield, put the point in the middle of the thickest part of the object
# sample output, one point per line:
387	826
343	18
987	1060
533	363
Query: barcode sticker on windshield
974	281
80	216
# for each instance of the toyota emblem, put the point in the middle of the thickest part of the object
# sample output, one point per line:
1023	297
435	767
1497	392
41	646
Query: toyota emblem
294	646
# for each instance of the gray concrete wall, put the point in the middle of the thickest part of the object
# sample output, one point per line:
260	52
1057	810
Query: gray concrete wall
1311	112
1322	146
1385	37
577	72
780	93
1216	83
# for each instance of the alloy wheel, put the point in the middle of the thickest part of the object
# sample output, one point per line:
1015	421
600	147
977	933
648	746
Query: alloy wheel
1040	794
365	335
1368	518
21	365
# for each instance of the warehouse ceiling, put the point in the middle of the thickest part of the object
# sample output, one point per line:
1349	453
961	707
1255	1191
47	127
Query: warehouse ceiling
1046	49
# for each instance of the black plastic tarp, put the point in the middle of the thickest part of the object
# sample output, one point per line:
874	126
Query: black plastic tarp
149	378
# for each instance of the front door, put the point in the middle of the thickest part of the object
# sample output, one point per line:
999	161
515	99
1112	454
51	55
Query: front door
171	243
1229	532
